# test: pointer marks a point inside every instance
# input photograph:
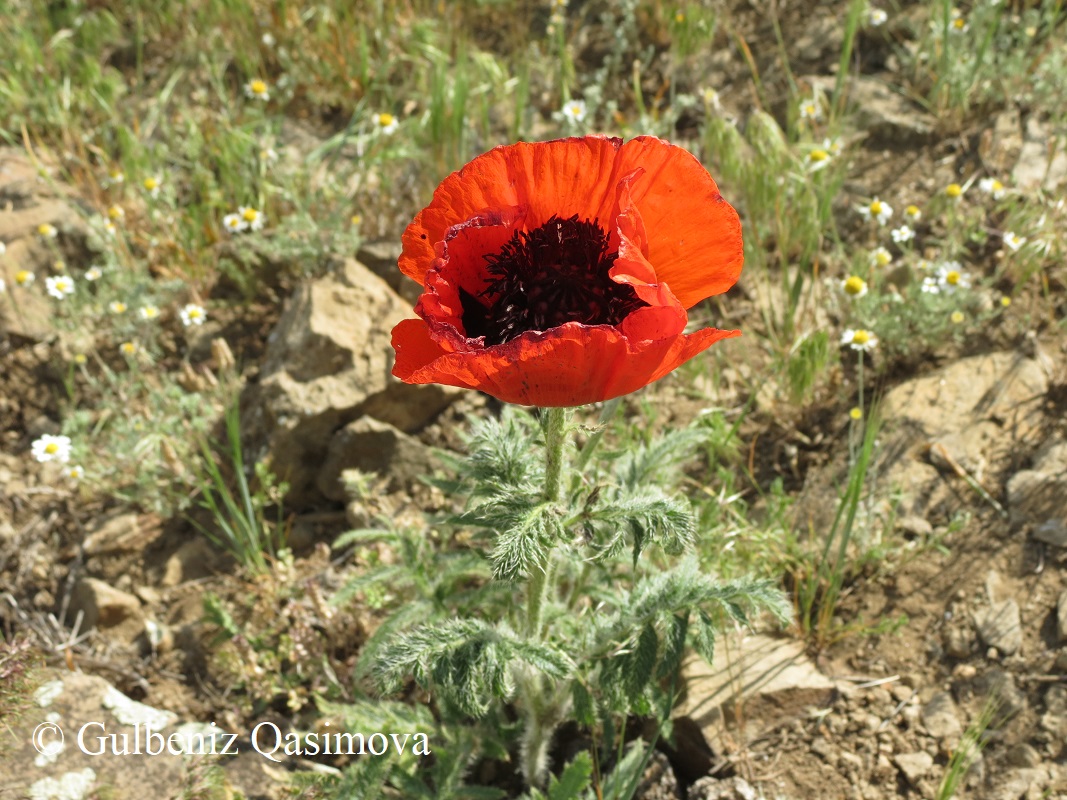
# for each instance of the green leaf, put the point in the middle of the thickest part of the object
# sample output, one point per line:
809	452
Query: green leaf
574	779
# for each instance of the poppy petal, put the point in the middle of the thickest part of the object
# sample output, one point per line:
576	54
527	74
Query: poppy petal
566	366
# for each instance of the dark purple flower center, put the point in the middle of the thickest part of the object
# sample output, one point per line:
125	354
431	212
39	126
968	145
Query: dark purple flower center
546	277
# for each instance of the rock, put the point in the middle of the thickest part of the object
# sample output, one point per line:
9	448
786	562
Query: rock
121	533
1023	755
915	526
725	789
73	703
959	642
940	717
1053	532
194	559
773	677
373	446
914	765
328	363
381	258
1061	617
1039	166
658	781
116	613
999	686
890	119
1027	783
1000	626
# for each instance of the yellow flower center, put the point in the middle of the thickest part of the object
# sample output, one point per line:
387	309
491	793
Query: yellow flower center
856	413
854	285
357	219
912	211
51	448
952	278
819	155
118	308
151	184
1005	301
876	207
250	215
960	23
861	337
957	317
385	120
79	358
882	258
116	212
45	229
194	313
953	190
997	185
258	87
23	276
128	348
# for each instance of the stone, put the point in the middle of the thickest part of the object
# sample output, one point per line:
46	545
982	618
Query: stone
70	701
914	766
1000	626
113	612
888	117
940	717
958	641
734	788
658	781
773	676
1061	617
121	533
328	363
372	446
1039	166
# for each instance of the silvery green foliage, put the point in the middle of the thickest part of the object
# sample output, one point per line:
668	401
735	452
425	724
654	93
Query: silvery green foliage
614	626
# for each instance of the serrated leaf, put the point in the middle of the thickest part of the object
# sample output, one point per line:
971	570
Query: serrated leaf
574	779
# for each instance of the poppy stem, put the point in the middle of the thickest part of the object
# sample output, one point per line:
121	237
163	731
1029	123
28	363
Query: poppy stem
554	424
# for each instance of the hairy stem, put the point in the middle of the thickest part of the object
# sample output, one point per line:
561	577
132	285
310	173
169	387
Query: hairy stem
555	427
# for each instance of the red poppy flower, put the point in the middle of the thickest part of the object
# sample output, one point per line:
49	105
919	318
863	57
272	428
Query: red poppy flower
559	273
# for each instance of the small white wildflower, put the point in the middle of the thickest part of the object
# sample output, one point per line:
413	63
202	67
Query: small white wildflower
59	286
958	24
93	274
3	248
854	286
51	448
46	231
931	285
809	109
128	348
992	186
914	213
877	210
1014	241
110	228
116	307
116	176
268	155
950	277
251	217
193	314
257	90
711	98
876	17
859	339
75	473
880	257
24	278
902	234
574	111
148	312
151	185
954	191
116	213
268	40
817	159
387	123
234	223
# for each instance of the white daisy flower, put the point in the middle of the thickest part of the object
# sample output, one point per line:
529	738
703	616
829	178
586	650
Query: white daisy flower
93	274
950	277
854	286
877	210
880	257
193	314
268	40
116	307
992	186
931	285
859	339
75	473
913	212
574	111
958	24
817	159
148	312
24	278
129	348
876	17
386	123
1014	241
251	217
110	228
116	213
257	90
902	234
233	223
116	176
151	185
809	109
46	231
59	286
51	448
